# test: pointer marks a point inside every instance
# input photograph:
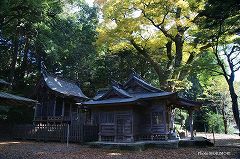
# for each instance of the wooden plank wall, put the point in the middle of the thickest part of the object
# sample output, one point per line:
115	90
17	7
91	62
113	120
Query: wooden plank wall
56	132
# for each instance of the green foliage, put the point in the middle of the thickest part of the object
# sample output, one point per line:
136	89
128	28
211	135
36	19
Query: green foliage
118	67
15	115
180	118
214	121
60	33
147	28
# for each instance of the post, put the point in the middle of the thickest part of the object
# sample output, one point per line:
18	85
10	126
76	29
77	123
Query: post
35	111
54	106
172	113
213	136
205	130
63	107
190	111
67	134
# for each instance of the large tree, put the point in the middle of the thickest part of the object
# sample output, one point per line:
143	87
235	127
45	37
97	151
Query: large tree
220	28
160	31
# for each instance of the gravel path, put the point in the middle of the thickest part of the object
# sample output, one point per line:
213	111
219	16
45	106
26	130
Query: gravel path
40	150
223	139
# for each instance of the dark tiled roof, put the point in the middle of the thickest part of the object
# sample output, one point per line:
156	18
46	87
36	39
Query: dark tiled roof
135	97
119	91
7	98
123	96
147	92
100	93
185	103
63	86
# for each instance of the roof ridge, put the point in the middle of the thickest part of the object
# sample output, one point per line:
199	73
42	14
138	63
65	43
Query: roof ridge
62	78
63	86
115	88
149	84
123	91
44	71
117	84
137	77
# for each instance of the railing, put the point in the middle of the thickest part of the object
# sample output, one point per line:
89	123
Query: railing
107	129
154	137
52	118
56	132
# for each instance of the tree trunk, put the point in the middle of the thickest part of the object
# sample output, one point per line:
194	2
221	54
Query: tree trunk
178	40
179	48
169	54
24	62
178	60
224	120
39	53
14	57
161	76
234	98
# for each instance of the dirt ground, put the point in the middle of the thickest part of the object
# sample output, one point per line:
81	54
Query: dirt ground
227	147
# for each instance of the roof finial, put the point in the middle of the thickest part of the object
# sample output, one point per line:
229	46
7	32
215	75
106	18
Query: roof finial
116	84
134	73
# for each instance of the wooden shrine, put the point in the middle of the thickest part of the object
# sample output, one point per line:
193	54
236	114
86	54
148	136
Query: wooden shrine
57	99
136	111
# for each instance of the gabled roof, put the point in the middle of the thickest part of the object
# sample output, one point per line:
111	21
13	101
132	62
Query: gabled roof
100	93
10	99
124	94
134	98
137	80
118	93
62	86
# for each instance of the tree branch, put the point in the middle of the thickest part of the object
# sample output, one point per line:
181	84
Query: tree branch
233	50
144	53
159	26
236	69
235	56
190	58
220	62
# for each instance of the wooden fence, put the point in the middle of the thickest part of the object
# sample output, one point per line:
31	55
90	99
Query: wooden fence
56	132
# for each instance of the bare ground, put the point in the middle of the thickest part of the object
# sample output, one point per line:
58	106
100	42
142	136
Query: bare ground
226	147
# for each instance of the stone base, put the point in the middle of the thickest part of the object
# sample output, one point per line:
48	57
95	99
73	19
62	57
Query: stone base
142	145
138	145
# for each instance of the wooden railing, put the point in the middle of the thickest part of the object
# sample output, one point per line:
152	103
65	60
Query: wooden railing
52	118
107	129
56	132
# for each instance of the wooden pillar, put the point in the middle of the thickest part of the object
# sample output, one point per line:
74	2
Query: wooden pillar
35	111
63	107
172	116
164	115
48	104
70	112
54	106
133	131
115	126
190	111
